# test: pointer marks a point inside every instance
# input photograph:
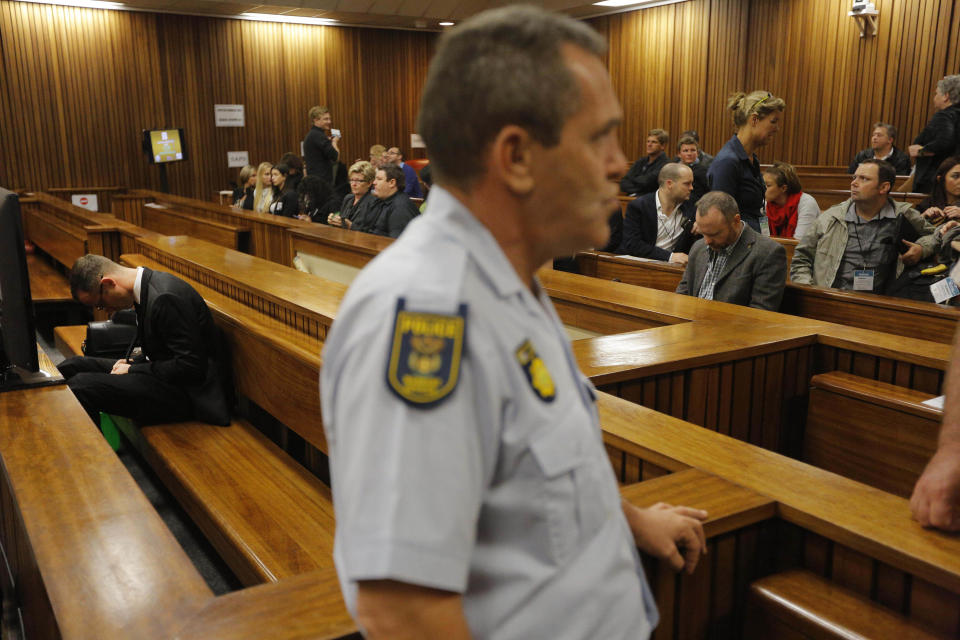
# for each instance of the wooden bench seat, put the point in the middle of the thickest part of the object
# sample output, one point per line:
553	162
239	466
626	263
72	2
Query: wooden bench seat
47	285
169	221
268	517
69	339
799	604
871	431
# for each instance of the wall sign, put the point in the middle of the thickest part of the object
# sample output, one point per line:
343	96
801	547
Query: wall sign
85	200
238	158
228	115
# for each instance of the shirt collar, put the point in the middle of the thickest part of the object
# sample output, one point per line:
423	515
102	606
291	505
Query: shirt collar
738	149
136	285
887	211
660	210
456	220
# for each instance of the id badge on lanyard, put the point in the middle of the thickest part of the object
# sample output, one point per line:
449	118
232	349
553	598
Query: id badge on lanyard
863	279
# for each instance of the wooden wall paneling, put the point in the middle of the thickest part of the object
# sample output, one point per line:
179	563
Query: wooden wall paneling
726	68
892	587
935	607
852	570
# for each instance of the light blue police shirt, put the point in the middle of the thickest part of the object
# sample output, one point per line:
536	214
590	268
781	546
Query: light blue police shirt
500	491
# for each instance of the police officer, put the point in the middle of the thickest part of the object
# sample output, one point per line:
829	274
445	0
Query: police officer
473	493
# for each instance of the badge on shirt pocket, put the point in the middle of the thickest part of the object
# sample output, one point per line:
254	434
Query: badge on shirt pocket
536	371
425	355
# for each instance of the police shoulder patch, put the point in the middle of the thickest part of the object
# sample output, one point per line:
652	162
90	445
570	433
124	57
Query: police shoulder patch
536	371
425	353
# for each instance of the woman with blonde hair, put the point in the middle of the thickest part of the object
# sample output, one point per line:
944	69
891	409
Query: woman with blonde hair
263	192
246	183
736	169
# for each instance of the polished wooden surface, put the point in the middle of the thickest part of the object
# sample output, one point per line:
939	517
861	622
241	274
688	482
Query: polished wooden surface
729	507
304	607
46	283
813	607
163	220
69	338
873	432
881	313
341	245
80	125
268	517
82	532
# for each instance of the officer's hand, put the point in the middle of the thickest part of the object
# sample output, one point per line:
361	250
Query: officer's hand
912	255
120	367
670	533
936	497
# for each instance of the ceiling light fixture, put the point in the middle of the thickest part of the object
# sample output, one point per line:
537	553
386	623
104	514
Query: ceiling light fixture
446	24
271	17
87	4
636	4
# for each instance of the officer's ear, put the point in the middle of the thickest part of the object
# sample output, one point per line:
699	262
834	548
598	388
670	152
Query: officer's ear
511	160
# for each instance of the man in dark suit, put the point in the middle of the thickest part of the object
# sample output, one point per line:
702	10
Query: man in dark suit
659	225
177	376
733	263
642	177
690	155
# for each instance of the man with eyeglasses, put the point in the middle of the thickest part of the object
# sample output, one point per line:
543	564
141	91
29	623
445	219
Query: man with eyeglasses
176	377
411	181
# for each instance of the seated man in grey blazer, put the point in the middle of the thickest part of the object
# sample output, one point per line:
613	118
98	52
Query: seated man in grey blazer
733	263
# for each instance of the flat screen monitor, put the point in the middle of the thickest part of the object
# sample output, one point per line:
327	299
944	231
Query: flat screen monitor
164	145
16	305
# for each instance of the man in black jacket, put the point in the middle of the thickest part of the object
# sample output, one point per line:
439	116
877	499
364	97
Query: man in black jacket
691	155
659	225
395	210
321	149
939	139
642	177
882	148
177	375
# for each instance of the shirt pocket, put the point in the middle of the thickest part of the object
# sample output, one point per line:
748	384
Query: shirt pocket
574	490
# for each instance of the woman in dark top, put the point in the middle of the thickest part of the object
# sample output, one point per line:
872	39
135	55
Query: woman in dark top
944	201
940	139
243	194
316	199
356	206
736	169
284	196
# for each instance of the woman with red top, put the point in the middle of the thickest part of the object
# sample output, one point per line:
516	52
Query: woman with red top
790	211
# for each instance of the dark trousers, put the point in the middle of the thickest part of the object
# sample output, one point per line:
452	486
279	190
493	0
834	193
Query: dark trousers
143	398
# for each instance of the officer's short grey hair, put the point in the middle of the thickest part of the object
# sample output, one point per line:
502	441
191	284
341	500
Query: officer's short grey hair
501	67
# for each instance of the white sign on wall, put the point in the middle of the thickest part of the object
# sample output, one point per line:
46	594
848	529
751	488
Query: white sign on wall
85	200
228	115
416	142
238	158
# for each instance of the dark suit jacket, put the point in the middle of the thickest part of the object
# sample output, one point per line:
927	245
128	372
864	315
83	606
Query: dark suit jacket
755	273
180	342
640	229
643	176
393	216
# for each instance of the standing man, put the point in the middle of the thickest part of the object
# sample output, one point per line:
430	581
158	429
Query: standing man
177	376
882	148
411	181
659	225
321	149
856	245
474	496
642	177
733	263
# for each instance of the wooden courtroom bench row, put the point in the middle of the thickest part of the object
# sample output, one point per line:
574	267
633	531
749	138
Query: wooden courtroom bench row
883	313
267	232
103	194
169	221
656	460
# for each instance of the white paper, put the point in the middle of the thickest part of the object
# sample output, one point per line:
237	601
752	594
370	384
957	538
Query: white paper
944	289
765	226
416	142
934	403
228	115
85	200
238	158
638	259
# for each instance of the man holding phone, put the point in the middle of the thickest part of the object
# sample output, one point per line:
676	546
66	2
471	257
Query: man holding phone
863	244
321	146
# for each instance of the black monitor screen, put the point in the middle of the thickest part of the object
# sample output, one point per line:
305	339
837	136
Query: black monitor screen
16	305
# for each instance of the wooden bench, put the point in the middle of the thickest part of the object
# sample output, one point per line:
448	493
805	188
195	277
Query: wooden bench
68	339
826	198
799	604
870	431
47	285
170	222
266	515
103	194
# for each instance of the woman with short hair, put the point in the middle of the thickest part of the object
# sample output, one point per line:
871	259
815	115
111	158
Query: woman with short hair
790	212
357	205
736	169
243	195
939	139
